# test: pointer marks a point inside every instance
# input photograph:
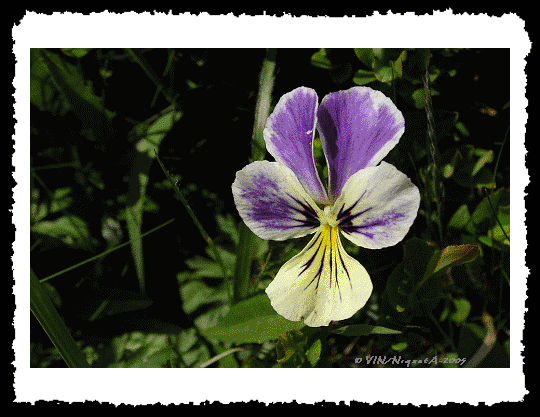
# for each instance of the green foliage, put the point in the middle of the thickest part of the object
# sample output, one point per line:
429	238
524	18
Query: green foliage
251	321
419	280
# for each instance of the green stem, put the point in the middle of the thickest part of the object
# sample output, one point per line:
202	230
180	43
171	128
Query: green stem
247	244
104	253
191	213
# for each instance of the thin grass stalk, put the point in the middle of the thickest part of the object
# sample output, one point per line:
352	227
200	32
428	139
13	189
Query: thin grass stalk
434	184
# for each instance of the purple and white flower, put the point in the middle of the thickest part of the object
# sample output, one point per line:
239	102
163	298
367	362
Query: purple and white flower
369	201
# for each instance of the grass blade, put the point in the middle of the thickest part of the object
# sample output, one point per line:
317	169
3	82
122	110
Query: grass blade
45	312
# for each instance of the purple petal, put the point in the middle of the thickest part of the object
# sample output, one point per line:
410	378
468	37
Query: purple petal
358	128
377	206
273	203
289	136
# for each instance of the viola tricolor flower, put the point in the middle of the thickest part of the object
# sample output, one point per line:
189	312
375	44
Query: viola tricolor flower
370	202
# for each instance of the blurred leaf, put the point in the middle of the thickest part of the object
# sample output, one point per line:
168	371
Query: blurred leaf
207	305
204	267
452	256
76	52
398	64
52	323
398	288
497	237
483	223
463	308
400	347
142	351
364	330
154	134
460	218
319	59
61	200
75	93
252	321
313	354
419	97
290	349
71	229
462	129
228	225
195	294
485	157
133	215
363	77
366	56
384	74
449	360
471	170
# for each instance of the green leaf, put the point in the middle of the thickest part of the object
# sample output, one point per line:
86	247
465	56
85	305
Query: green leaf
195	294
313	354
463	308
485	226
398	288
398	64
449	360
156	132
228	225
51	322
384	74
71	229
460	218
400	347
366	56
485	157
419	97
363	77
452	256
319	59
76	52
290	349
252	321
364	330
204	267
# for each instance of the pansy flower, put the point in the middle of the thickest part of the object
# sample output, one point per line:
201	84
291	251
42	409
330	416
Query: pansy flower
369	202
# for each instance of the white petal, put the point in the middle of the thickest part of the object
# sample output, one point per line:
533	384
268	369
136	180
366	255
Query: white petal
320	284
377	206
273	203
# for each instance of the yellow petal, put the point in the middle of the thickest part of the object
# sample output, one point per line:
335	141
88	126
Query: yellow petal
320	284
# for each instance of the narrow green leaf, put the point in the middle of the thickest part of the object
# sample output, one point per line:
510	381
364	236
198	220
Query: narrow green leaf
51	322
451	256
364	330
76	52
